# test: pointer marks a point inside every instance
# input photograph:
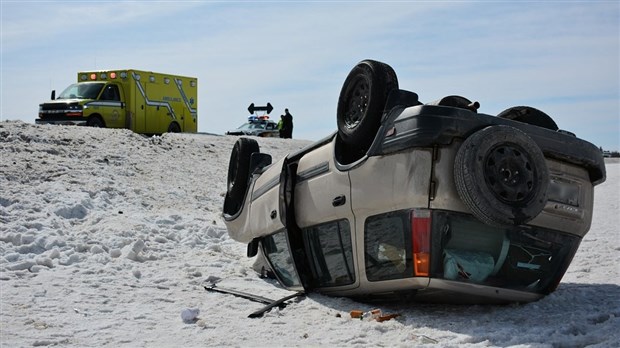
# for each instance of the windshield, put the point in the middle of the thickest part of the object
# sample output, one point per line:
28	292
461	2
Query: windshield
82	91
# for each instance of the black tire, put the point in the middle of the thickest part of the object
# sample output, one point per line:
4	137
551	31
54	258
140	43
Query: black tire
174	128
96	122
361	102
239	174
502	176
529	115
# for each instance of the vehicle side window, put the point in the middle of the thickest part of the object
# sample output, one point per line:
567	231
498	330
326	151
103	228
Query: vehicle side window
387	246
269	126
330	251
110	93
277	251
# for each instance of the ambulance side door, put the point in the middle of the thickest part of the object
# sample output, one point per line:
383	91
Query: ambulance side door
138	102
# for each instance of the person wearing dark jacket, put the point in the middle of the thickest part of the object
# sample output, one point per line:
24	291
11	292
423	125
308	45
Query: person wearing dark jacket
287	125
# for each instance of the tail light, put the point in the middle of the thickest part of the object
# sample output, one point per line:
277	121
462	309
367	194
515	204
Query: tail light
421	237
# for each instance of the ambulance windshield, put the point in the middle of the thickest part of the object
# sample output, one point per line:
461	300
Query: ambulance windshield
82	91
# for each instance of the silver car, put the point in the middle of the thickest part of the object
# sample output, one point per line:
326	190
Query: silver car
434	200
259	126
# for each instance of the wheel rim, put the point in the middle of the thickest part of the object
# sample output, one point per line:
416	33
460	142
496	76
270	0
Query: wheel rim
510	174
356	108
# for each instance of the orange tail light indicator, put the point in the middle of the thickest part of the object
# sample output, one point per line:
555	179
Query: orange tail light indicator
112	75
421	237
93	76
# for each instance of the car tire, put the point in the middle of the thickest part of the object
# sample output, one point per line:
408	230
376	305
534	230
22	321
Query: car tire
96	122
239	174
501	176
174	128
361	102
529	115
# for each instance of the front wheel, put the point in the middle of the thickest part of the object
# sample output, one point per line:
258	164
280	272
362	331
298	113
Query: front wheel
239	174
96	122
361	103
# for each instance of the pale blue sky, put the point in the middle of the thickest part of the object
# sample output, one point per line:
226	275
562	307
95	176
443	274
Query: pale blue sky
559	56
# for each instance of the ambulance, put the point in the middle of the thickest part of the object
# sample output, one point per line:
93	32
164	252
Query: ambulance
143	101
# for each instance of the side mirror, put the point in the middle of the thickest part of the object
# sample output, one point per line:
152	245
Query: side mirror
53	96
258	161
253	247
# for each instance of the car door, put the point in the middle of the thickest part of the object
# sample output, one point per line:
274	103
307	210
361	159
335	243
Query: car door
324	216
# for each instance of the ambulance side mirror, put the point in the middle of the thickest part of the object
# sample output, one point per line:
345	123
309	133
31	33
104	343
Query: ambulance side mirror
53	96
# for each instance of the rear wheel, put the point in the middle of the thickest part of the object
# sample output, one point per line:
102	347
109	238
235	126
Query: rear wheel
361	103
502	176
529	115
174	128
239	174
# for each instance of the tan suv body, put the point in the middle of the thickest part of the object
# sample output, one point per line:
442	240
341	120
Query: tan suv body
414	214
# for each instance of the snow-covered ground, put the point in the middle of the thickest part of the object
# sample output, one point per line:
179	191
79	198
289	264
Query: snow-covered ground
106	237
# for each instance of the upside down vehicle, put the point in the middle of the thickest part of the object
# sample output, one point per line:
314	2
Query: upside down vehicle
432	199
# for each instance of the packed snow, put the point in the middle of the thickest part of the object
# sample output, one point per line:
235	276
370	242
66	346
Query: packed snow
107	238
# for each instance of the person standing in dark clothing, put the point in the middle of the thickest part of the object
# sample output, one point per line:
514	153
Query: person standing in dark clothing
287	125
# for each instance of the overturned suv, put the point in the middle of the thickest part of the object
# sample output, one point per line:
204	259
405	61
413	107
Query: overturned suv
434	199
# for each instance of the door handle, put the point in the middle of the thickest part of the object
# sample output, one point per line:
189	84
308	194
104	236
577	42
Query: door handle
339	200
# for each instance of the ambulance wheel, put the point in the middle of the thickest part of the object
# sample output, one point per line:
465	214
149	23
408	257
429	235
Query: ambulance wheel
502	176
239	174
361	102
529	115
95	121
174	128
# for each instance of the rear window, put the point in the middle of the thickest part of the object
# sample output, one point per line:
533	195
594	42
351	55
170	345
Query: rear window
521	257
463	249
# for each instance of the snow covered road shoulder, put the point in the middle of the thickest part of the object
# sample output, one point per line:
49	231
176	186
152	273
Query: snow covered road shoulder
106	236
